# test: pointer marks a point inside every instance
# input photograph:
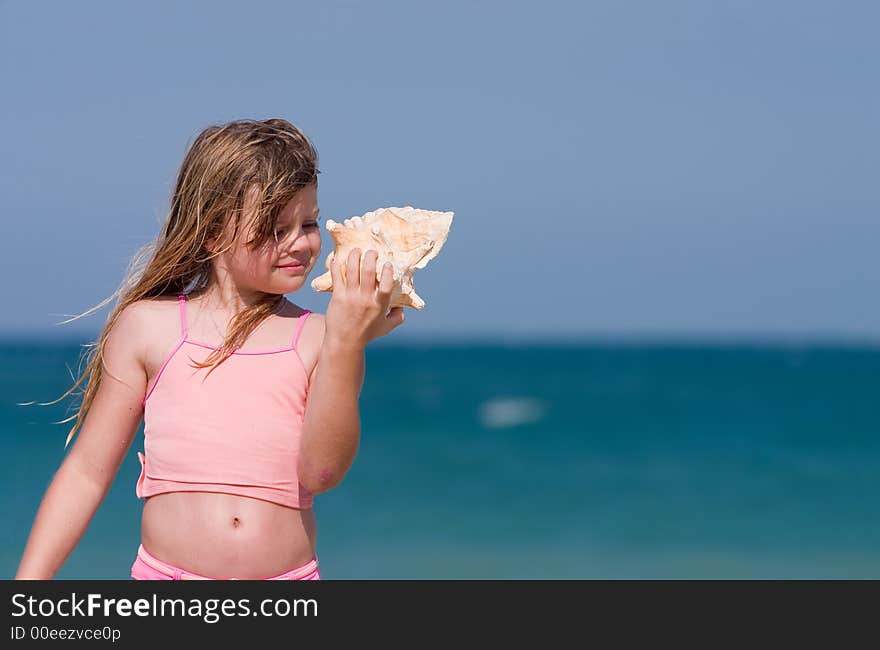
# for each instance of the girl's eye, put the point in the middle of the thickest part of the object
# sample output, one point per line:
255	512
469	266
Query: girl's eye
280	233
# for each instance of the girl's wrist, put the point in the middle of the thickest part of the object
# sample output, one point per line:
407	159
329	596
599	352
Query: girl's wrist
337	345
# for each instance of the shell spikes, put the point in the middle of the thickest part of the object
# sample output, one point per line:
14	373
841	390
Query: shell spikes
406	237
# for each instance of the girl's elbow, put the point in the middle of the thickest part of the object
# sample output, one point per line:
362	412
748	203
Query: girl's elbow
318	474
321	480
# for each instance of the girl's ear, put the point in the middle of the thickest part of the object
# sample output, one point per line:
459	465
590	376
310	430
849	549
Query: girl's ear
212	244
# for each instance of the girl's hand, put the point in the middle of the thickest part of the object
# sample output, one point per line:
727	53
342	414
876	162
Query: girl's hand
358	309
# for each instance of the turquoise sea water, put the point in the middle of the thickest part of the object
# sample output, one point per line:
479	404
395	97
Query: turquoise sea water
590	461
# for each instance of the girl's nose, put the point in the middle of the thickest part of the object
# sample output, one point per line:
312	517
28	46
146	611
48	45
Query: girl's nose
297	243
290	237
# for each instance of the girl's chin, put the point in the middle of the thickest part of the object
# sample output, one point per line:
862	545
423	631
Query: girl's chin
290	283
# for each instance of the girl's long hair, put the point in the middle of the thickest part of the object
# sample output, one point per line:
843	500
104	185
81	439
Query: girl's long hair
268	161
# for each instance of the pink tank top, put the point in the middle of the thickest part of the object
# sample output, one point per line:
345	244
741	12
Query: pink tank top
235	431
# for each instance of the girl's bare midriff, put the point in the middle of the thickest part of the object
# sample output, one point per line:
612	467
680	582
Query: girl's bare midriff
227	536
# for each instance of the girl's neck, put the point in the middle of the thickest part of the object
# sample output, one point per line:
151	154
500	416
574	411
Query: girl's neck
227	301
224	296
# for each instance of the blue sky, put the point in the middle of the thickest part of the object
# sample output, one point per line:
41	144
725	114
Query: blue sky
624	169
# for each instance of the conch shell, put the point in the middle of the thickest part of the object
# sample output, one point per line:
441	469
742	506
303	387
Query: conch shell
406	237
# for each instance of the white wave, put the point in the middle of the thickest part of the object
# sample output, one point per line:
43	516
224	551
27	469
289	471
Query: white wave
509	412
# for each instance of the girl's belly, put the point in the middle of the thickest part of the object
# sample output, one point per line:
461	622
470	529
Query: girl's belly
227	536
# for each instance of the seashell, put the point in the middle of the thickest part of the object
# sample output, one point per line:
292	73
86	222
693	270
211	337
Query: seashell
406	237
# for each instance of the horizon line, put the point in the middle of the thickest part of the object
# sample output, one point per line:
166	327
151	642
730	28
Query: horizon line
501	339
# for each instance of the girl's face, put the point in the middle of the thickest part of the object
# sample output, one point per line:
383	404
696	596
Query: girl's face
282	264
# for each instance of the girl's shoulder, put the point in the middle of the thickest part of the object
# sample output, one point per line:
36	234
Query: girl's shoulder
157	319
155	311
315	322
140	332
310	339
313	330
145	307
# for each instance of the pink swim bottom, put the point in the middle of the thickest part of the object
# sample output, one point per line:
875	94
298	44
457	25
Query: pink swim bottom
147	567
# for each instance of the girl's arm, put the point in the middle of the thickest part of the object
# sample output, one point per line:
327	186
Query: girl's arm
331	429
87	472
357	314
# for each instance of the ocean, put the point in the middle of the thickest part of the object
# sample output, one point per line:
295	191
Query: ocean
556	461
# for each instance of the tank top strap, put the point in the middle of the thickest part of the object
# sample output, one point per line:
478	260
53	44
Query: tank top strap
181	300
300	322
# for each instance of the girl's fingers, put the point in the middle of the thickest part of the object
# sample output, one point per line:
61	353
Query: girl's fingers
395	317
386	284
362	274
368	271
336	277
352	275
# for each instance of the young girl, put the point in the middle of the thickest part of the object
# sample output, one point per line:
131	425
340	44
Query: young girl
250	402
